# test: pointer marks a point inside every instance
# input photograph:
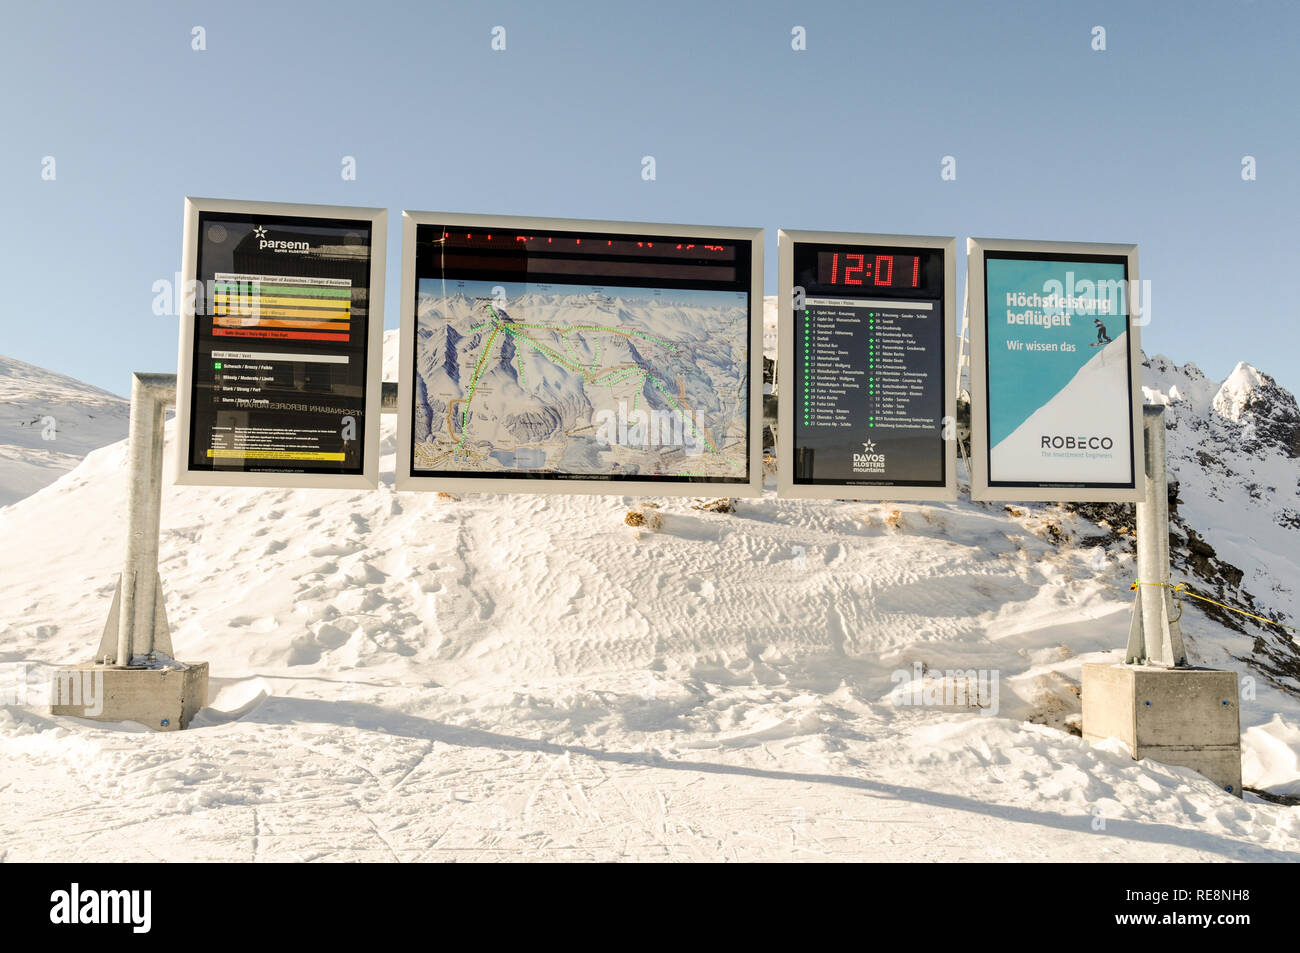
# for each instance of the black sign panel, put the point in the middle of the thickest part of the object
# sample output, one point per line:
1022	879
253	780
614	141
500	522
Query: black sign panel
280	345
869	355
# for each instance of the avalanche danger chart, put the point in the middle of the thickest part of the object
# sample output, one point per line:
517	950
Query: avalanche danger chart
282	308
868	366
526	367
278	361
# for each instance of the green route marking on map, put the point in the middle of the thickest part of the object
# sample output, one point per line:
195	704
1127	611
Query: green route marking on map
570	365
573	355
473	384
498	325
547	352
637	396
627	372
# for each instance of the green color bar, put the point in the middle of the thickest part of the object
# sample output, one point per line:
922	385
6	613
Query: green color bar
244	287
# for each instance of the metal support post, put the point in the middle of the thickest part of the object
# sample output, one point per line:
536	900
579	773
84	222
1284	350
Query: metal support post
1155	637
137	632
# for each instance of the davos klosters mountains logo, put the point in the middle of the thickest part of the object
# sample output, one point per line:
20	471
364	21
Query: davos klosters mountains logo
278	245
869	461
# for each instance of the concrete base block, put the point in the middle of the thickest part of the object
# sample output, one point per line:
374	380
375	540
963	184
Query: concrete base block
164	698
1188	717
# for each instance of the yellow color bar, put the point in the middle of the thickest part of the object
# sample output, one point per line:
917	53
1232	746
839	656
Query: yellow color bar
252	313
340	304
273	455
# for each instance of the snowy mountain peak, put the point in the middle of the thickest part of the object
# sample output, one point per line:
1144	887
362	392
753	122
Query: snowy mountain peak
1161	364
1237	391
1166	382
1265	410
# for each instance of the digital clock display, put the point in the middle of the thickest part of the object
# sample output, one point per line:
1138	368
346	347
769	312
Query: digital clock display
871	269
869	358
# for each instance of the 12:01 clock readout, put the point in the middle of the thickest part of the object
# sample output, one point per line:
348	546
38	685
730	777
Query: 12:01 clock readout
863	269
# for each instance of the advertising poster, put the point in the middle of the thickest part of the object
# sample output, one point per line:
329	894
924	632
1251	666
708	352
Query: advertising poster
1059	374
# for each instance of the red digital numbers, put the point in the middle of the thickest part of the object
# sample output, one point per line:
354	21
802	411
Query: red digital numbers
884	270
860	267
880	270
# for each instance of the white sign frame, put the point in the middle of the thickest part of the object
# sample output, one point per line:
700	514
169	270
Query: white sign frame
752	487
785	375
369	477
980	455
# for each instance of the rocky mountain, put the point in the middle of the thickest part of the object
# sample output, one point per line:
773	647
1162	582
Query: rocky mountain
1234	462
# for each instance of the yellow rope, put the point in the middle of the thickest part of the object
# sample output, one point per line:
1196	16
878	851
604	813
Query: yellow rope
1181	589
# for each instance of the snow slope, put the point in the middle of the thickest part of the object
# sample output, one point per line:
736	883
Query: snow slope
1099	384
48	422
406	676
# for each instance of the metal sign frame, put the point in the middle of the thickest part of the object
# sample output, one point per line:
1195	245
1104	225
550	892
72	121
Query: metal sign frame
406	480
369	477
786	329
979	383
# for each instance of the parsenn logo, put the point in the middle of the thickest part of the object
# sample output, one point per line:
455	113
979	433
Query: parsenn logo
869	461
103	907
278	245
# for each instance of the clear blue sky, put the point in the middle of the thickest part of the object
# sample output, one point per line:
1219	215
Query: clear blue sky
1140	143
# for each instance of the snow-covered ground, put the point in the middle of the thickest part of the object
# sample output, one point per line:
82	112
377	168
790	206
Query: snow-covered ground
408	676
48	422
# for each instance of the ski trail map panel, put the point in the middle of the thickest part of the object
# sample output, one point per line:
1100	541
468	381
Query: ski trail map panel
548	355
1055	372
281	339
866	366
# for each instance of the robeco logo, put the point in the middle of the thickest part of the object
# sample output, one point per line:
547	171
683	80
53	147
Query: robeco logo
277	244
1077	443
868	461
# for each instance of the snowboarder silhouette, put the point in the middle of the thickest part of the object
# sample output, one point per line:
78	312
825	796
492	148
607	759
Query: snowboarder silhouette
1102	336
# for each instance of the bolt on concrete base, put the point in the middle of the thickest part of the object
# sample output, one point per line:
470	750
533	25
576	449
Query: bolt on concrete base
164	697
1189	717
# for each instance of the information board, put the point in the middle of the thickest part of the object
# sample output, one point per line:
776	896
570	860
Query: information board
1056	398
865	366
550	355
280	345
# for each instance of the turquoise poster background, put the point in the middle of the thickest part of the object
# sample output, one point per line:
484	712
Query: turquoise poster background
1020	381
